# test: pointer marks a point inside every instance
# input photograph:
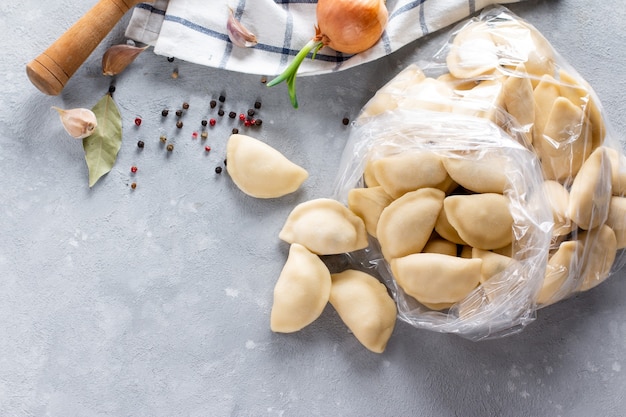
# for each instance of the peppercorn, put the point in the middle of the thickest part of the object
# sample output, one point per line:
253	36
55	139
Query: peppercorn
247	123
213	103
212	122
263	80
225	162
242	117
207	148
133	185
235	131
133	169
165	112
170	59
204	135
345	121
111	89
175	74
221	98
232	114
179	124
250	112
194	135
163	139
140	144
170	147
258	122
218	170
220	112
185	105
179	113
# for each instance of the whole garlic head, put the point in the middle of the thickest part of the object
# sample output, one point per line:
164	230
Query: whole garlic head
79	122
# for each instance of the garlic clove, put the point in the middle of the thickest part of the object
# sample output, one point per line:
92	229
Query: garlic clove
238	34
79	123
118	57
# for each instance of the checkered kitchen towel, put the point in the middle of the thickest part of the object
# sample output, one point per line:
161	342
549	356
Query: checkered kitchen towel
195	31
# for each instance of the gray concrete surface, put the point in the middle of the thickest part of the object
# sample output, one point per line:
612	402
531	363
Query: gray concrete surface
155	302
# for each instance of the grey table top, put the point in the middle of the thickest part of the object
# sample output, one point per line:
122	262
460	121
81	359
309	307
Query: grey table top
155	302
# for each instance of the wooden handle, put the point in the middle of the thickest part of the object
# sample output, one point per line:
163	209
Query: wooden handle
51	70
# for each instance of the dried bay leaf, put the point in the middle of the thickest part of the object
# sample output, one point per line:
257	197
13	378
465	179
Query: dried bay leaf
102	146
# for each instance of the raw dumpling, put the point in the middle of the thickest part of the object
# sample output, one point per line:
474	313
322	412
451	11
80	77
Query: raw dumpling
590	194
600	247
387	97
409	171
301	292
518	99
445	229
434	278
365	306
473	52
493	263
260	170
486	174
438	245
325	227
617	220
483	221
558	197
406	224
368	204
562	264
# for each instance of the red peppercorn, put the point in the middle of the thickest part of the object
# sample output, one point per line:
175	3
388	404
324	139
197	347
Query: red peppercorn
133	169
247	123
212	122
194	135
137	121
207	148
242	117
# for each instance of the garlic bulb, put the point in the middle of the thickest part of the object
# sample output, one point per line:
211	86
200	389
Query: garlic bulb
118	57
238	34
79	123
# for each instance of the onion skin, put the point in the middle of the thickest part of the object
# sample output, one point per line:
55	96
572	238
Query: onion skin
350	26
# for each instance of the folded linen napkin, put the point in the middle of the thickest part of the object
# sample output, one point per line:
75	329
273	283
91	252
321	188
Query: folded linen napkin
195	31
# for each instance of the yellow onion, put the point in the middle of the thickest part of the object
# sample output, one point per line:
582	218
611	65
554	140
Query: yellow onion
347	26
350	26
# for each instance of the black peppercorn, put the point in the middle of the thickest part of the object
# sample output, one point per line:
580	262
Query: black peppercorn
185	105
170	147
345	121
235	131
220	112
225	162
111	89
165	112
179	113
170	59
218	170
213	103
179	124
258	122
221	98
204	122
250	112
140	144
232	114
257	104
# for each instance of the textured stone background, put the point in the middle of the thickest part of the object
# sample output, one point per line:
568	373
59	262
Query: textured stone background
156	302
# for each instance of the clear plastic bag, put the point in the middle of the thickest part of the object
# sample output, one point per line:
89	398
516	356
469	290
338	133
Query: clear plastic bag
498	93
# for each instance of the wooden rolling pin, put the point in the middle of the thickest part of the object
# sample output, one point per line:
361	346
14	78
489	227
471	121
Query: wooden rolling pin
51	70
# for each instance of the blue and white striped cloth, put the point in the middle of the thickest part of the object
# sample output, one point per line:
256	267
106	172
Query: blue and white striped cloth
195	31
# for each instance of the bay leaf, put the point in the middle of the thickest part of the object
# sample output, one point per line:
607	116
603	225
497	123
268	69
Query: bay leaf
102	146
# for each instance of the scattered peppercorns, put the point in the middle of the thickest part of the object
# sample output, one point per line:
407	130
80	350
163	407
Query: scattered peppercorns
220	112
212	122
232	114
133	185
345	121
165	112
133	169
247	123
263	80
179	113
185	105
242	117
207	148
111	89
204	135
235	130
137	121
179	124
258	122
257	104
225	162
170	147
175	74
204	122
194	135
140	144
218	170
213	103
163	138
250	112
170	59
221	98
